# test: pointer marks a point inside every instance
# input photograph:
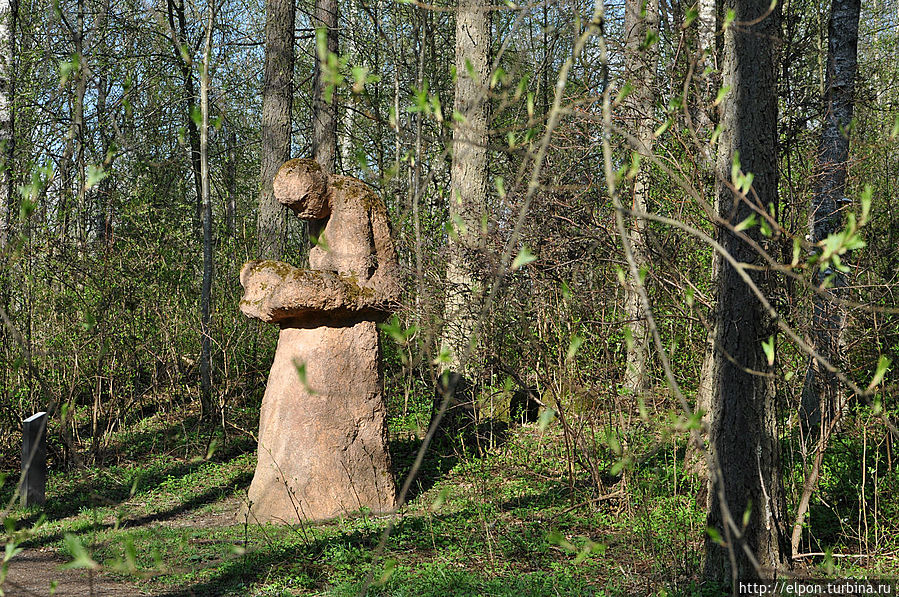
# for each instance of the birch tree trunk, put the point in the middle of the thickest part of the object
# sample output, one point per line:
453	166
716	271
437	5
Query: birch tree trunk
206	290
277	100
8	14
747	484
641	25
704	126
468	184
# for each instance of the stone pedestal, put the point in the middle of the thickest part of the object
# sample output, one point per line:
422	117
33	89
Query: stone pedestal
323	440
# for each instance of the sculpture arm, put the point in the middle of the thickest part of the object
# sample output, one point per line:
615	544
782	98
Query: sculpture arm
385	281
275	292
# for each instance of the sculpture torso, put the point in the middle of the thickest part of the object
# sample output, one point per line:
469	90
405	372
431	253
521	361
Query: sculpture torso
345	245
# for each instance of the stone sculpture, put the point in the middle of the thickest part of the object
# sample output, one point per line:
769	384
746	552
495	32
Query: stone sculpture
322	431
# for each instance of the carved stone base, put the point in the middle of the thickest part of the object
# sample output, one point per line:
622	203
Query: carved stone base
323	439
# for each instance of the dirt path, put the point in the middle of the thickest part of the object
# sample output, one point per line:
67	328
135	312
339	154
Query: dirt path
33	572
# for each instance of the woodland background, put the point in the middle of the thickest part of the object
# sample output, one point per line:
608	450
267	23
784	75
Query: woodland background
551	169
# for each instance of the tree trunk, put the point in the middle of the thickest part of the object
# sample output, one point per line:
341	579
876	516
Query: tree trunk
705	123
747	484
324	112
641	25
206	291
821	395
277	99
468	188
8	15
185	65
231	181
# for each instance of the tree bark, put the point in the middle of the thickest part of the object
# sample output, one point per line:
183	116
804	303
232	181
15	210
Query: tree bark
8	16
206	290
821	395
324	113
277	100
231	181
185	65
641	25
705	122
746	484
468	186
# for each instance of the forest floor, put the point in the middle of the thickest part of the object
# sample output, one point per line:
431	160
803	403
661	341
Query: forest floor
160	517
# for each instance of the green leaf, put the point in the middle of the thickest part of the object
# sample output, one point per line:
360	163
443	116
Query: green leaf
443	357
661	130
628	338
389	569
360	78
302	375
690	15
744	182
500	186
621	464
557	538
95	174
722	93
80	557
729	18
441	499
395	330
634	167
523	258
573	347
866	204
745	224
883	365
546	417
715	134
12	550
319	241
797	251
614	444
714	535
768	347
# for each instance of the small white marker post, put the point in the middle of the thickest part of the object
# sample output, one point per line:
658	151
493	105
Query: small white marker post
34	459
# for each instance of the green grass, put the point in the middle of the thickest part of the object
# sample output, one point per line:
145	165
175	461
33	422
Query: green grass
514	521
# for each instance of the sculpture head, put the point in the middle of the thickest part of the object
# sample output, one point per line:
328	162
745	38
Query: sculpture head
302	185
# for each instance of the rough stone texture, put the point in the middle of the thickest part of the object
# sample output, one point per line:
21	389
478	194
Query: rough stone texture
300	185
323	436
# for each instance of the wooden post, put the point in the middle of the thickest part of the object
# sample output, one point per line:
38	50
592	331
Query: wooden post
34	459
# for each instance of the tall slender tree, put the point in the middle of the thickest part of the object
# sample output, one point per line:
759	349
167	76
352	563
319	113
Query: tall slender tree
324	100
277	99
177	20
8	10
821	396
468	187
747	505
206	289
641	26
